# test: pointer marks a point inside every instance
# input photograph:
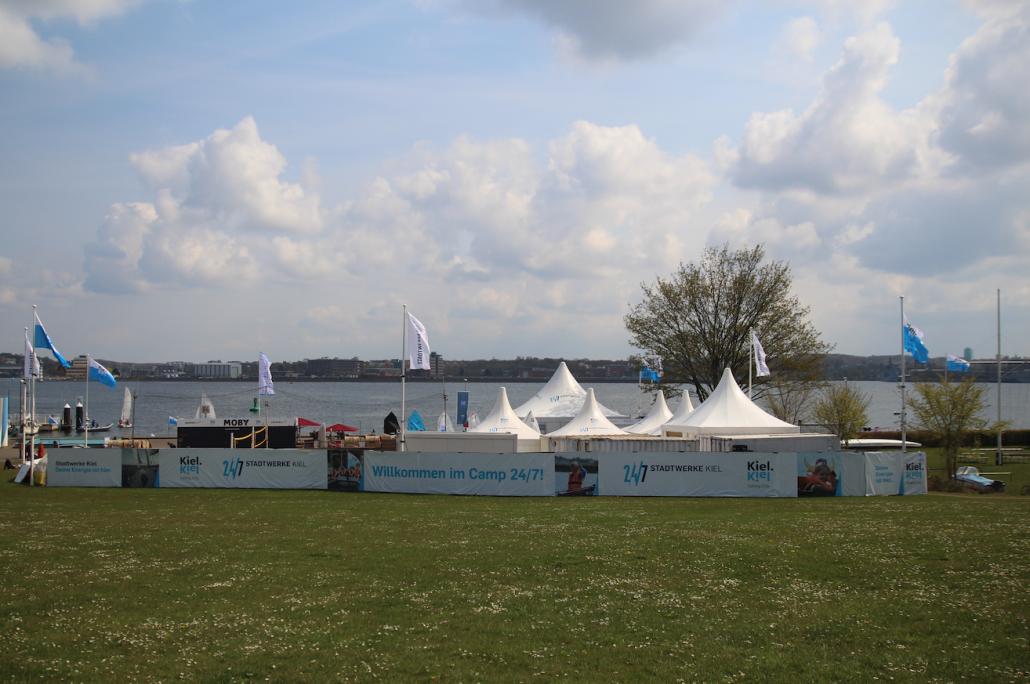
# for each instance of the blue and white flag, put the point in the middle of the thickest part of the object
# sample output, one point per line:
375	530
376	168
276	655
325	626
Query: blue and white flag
418	344
30	368
914	343
172	420
957	364
761	368
43	341
265	385
651	371
99	373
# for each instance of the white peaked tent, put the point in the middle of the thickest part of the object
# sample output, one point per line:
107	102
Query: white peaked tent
502	418
652	423
685	408
728	411
531	421
589	422
561	397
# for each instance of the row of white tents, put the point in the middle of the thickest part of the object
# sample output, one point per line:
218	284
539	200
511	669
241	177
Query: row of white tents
726	411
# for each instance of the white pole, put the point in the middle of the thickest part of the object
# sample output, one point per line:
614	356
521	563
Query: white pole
750	360
32	408
998	456
21	412
904	438
85	417
404	351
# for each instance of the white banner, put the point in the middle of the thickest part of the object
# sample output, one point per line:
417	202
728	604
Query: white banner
418	344
697	474
475	474
883	473
914	480
852	472
84	468
243	468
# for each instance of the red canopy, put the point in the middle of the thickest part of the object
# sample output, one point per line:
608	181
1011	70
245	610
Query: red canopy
340	427
304	422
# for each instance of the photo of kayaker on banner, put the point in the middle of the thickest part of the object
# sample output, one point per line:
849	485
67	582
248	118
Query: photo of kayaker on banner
575	475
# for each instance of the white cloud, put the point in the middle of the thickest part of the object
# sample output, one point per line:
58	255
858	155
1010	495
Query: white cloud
221	214
870	203
235	176
481	208
848	141
613	29
984	115
800	37
112	261
21	46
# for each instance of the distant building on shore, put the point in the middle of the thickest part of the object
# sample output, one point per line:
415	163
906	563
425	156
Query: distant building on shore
231	370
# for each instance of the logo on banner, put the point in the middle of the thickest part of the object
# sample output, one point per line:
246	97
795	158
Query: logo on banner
914	466
231	469
759	471
634	473
190	465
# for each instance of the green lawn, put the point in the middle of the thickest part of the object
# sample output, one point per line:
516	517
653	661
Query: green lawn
228	585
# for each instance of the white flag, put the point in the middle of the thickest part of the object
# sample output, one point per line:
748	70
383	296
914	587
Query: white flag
418	344
759	356
31	366
265	385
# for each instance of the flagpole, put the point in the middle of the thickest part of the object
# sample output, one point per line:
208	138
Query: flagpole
404	350
904	439
998	457
85	417
32	408
750	360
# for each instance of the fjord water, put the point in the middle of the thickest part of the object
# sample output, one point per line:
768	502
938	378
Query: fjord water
365	404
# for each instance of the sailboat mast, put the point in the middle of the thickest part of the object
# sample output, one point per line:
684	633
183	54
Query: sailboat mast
904	438
998	456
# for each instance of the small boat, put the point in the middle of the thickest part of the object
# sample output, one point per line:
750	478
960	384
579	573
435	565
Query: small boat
206	408
126	420
94	426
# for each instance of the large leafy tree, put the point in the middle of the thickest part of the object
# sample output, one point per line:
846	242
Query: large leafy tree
949	410
699	321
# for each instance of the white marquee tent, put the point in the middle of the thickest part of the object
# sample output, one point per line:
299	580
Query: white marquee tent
561	397
502	418
590	421
728	411
651	424
685	408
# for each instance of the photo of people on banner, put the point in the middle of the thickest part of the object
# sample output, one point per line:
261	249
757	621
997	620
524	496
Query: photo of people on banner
345	470
818	478
575	475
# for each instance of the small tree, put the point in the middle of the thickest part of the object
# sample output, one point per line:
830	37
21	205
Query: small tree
843	409
949	410
789	397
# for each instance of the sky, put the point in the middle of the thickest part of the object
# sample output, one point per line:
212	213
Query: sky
199	180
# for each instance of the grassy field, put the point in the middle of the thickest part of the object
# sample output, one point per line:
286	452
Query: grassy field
237	585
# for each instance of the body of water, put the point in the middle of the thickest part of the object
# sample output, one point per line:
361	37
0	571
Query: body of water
365	404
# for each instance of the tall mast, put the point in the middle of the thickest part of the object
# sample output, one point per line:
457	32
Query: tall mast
998	456
404	351
904	438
